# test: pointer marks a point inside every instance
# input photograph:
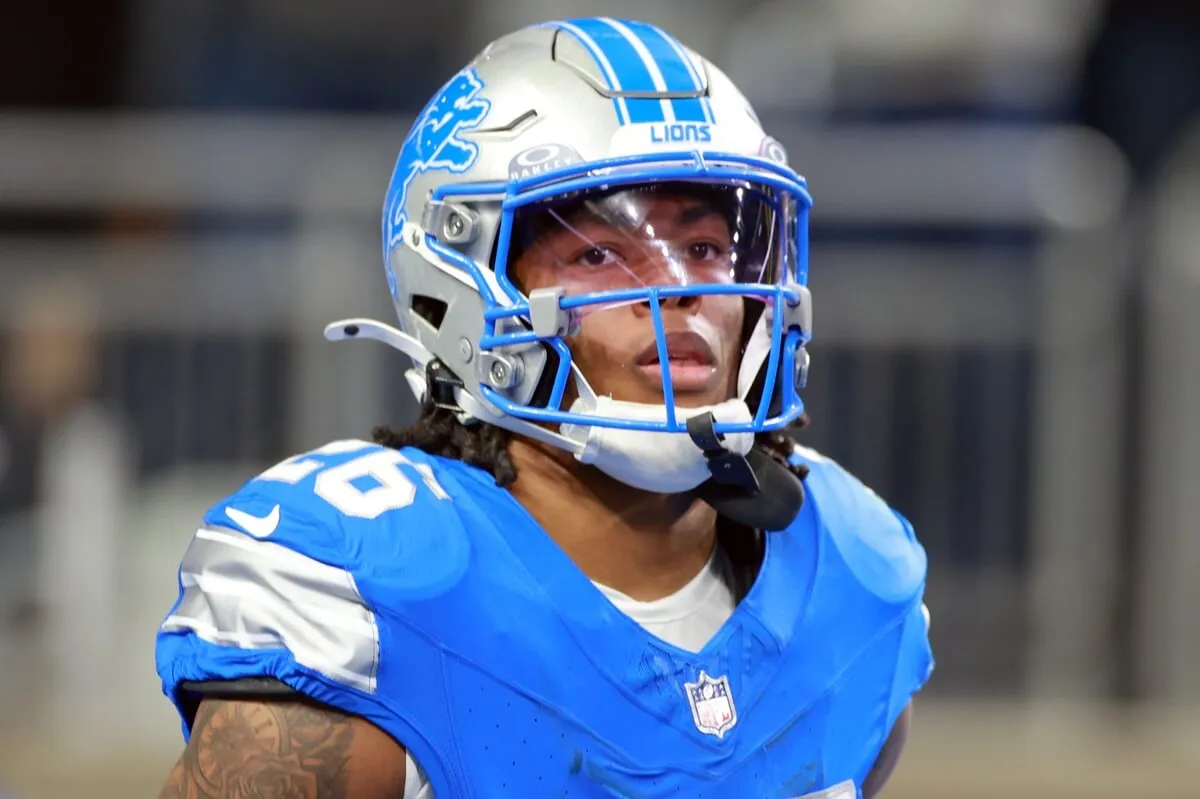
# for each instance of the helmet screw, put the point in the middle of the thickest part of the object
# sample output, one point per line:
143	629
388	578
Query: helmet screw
499	372
465	350
454	225
416	238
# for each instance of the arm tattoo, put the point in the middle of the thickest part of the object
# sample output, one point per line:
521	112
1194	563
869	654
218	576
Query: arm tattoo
264	750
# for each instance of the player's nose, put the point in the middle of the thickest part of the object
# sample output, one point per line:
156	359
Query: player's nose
670	275
672	301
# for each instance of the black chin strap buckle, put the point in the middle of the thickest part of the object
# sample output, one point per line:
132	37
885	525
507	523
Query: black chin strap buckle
441	384
727	468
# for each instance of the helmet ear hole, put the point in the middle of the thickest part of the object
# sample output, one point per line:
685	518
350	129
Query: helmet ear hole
430	309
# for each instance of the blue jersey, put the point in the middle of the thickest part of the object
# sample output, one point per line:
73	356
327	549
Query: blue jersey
413	592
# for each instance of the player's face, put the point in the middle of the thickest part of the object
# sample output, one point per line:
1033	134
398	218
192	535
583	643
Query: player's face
632	240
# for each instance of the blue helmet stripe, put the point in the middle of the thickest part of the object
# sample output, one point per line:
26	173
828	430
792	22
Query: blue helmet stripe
637	57
678	72
620	104
631	70
667	75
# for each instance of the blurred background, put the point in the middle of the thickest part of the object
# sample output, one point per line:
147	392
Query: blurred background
1006	265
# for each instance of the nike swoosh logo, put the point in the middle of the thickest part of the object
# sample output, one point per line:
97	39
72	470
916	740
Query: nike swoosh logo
257	526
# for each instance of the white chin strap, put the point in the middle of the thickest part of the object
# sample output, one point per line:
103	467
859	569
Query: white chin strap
665	463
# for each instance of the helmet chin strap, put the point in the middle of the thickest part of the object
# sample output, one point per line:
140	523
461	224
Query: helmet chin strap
743	484
665	463
774	506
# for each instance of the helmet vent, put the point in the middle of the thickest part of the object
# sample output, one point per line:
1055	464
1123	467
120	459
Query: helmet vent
431	309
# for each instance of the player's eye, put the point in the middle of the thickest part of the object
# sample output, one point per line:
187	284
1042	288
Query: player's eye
596	256
703	251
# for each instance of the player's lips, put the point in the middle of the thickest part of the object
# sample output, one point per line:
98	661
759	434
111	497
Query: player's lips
692	363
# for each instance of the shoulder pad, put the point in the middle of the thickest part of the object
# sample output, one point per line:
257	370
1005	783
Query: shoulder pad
277	565
379	512
875	541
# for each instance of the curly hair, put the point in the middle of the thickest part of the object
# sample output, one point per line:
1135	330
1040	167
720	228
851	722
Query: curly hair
438	431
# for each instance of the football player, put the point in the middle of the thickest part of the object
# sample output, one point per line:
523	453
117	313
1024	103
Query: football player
595	566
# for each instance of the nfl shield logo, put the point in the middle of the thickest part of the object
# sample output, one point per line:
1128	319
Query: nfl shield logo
712	704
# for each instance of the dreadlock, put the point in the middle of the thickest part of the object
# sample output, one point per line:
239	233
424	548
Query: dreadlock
438	431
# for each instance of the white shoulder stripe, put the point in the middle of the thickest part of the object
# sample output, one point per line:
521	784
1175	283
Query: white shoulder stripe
209	633
235	590
254	594
244	640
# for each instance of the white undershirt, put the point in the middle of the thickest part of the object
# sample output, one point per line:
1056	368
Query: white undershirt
687	619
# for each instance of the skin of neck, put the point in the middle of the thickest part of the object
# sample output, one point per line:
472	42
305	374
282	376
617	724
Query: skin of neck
645	545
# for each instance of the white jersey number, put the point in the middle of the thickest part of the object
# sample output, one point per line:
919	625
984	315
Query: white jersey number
365	487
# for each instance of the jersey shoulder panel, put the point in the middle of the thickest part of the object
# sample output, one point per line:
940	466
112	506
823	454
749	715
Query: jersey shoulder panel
342	489
270	583
878	547
875	541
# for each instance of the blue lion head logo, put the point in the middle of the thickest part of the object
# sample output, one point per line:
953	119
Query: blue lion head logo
435	143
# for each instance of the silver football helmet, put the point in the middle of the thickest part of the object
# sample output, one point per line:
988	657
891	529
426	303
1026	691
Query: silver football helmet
576	169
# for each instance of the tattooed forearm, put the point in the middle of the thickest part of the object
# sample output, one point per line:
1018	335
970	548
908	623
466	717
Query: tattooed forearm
176	785
264	750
